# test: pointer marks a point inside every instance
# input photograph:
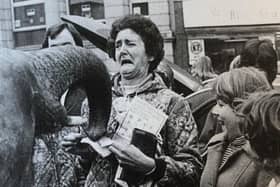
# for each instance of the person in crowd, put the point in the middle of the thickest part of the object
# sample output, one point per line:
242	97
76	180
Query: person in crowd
262	55
262	129
138	48
256	53
203	70
228	163
62	34
52	165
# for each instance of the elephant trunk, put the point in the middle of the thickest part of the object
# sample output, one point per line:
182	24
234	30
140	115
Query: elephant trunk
56	69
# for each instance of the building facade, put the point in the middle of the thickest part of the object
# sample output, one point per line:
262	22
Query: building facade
219	28
190	28
30	18
24	22
6	27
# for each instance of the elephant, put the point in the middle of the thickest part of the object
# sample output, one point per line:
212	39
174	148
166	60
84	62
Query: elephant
31	86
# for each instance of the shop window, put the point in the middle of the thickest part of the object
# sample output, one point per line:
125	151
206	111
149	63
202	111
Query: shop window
25	38
93	9
140	8
30	15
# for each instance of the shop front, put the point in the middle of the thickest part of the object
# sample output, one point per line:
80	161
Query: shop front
223	27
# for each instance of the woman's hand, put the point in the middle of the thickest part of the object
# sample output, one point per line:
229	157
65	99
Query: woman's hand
71	142
131	157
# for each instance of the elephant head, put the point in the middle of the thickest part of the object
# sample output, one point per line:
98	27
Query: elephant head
30	89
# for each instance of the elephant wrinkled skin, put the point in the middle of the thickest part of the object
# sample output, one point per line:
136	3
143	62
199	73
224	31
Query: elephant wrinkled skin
30	89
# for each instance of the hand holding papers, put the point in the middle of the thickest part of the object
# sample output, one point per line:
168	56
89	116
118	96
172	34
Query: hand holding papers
138	130
140	127
100	146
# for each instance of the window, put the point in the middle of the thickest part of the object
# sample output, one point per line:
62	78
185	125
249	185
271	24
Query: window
29	15
94	8
34	37
140	8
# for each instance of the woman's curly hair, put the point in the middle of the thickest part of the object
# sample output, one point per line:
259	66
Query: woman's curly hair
146	29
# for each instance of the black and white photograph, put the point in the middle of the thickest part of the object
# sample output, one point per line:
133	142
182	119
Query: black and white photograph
140	93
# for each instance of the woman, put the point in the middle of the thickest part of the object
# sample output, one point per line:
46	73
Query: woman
203	70
138	48
262	129
228	163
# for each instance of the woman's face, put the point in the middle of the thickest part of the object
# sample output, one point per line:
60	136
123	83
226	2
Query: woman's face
227	119
130	53
221	111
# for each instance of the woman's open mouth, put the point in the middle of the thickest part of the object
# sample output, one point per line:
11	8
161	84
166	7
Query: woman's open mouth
126	61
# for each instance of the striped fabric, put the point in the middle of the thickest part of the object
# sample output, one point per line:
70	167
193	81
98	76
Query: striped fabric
234	146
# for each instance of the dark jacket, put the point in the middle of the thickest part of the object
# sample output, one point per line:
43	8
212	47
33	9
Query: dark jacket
238	170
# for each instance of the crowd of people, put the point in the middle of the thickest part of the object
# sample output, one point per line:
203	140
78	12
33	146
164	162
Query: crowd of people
238	145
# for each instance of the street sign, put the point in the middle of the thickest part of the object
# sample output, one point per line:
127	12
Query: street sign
196	50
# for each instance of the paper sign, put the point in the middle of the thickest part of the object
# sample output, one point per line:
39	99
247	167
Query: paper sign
196	50
144	116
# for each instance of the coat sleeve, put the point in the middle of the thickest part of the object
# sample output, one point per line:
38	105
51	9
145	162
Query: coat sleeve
183	165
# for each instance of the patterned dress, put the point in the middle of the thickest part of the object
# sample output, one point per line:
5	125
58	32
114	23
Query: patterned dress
179	137
53	166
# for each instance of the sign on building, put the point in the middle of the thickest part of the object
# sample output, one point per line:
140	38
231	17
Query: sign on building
196	50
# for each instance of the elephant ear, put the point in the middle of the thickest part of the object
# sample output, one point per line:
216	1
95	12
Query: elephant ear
16	120
58	68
